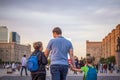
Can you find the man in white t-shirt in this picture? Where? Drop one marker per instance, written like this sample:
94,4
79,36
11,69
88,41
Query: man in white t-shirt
13,66
24,65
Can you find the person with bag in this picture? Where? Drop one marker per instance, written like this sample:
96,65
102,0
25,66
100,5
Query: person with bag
36,62
90,72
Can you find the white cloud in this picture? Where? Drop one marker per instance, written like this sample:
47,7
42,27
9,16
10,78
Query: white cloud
107,11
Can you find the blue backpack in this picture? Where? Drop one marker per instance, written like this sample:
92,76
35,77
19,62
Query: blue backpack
32,63
91,74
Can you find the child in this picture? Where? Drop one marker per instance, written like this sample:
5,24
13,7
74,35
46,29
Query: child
90,72
39,74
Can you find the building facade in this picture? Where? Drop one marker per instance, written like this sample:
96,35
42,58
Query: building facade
3,34
94,49
14,37
107,47
13,52
109,43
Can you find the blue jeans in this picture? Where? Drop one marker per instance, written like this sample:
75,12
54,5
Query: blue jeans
24,67
59,72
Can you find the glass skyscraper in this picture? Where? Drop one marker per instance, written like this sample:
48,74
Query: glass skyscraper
14,37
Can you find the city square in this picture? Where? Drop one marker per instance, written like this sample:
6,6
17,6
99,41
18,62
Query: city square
70,76
59,40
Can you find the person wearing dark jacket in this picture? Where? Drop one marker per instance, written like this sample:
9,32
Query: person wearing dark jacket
40,74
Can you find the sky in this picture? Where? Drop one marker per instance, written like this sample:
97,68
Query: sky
80,20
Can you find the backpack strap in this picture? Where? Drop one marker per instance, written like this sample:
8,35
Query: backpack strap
92,67
38,54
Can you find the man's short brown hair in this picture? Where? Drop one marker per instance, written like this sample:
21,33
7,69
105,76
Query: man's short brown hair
57,30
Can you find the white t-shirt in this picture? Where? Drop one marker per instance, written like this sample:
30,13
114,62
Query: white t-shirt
24,61
13,66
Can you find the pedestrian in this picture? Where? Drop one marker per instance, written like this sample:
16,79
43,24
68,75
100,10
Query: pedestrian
101,68
19,66
110,67
13,67
39,74
105,68
24,65
90,72
59,47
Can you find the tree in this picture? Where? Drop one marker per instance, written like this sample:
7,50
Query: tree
110,59
102,60
49,61
87,54
0,61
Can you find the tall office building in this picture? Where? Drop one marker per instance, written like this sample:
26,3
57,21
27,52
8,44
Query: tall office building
3,34
14,37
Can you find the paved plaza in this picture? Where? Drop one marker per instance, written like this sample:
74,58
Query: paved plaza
70,76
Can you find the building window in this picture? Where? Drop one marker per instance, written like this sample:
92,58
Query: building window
6,50
1,50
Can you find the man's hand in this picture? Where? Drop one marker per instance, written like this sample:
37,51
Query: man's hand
72,67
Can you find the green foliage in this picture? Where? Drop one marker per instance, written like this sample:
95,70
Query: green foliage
108,60
49,61
111,59
0,61
102,60
88,54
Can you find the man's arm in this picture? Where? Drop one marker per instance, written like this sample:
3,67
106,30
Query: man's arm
47,52
72,58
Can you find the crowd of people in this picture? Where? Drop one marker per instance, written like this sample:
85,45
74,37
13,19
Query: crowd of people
101,67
